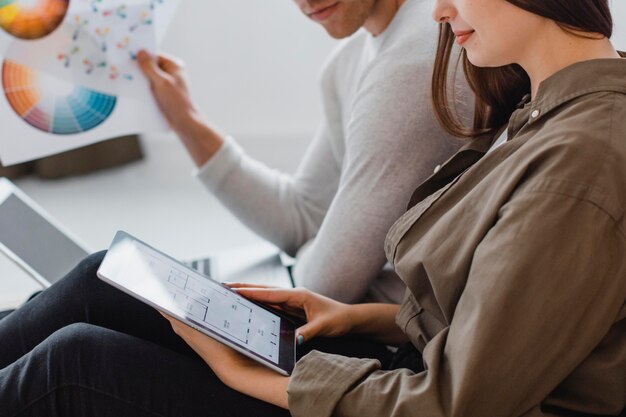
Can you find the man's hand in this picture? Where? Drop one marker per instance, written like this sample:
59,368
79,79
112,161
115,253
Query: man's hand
168,81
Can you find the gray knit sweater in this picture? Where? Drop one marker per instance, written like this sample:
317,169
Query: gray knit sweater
377,142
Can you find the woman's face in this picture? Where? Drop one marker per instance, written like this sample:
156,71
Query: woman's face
493,32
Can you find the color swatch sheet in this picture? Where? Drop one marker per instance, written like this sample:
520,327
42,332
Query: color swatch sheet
88,42
69,74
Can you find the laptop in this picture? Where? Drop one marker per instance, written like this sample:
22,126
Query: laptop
35,241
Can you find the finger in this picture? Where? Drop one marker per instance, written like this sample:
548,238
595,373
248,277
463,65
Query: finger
149,67
273,296
165,315
247,285
169,64
307,332
175,323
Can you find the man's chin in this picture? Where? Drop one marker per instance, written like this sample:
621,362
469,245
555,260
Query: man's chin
337,32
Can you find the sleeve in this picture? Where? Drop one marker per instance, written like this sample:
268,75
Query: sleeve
285,210
338,207
539,298
392,144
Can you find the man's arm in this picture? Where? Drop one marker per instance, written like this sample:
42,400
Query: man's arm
342,203
168,81
392,143
285,210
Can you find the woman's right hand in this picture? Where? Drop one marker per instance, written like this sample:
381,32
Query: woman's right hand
324,316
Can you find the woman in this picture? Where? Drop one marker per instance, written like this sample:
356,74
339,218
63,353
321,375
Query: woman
512,254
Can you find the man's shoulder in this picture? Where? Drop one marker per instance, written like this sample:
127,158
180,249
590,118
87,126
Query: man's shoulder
414,49
347,50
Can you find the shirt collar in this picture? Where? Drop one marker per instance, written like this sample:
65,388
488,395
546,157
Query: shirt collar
567,84
575,81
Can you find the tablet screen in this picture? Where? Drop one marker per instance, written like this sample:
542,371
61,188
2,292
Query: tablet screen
201,302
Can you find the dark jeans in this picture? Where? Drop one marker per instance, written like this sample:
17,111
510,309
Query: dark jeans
83,348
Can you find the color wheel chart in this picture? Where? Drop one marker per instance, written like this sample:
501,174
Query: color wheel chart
32,19
53,105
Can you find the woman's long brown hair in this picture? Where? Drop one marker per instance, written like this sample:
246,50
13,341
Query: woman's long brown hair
499,90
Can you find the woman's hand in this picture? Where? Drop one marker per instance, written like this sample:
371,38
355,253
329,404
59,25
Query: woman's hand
232,368
324,316
327,317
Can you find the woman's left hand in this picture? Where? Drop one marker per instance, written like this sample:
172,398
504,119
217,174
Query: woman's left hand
232,368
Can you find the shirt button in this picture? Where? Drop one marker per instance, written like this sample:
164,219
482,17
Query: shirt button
437,169
534,114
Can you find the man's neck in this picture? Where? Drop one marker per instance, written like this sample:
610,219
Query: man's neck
382,14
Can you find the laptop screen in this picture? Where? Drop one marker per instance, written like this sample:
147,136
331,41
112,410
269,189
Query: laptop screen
36,241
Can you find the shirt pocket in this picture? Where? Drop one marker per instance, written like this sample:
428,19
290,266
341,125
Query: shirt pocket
403,224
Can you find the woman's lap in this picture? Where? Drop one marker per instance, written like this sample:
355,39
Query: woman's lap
84,347
80,297
84,369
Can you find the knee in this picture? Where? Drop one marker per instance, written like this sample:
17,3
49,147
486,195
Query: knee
91,263
74,341
83,275
67,357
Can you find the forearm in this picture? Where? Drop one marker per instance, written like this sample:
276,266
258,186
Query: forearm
283,209
200,139
377,322
258,382
233,369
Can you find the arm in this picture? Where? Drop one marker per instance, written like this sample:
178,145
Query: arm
285,210
325,317
342,204
233,369
528,317
392,144
169,84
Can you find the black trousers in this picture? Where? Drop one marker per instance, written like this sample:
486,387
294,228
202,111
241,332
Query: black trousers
83,348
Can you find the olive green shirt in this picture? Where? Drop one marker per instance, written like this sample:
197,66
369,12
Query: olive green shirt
515,264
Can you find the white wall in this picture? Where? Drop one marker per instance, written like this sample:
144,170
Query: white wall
254,65
619,17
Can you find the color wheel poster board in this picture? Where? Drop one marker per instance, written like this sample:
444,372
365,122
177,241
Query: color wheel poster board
69,75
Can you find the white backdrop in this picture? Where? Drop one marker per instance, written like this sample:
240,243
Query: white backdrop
254,65
619,17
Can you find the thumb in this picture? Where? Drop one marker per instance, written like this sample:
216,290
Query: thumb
307,332
149,67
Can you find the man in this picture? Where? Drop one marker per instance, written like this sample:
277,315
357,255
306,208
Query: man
377,142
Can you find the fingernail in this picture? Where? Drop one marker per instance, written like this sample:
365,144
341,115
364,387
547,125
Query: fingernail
300,340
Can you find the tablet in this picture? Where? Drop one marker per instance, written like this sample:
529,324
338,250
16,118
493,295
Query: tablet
204,304
33,239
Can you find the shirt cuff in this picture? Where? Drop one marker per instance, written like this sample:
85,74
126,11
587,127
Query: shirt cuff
214,172
320,380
